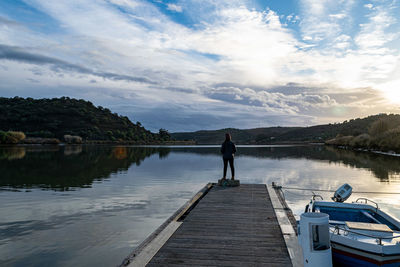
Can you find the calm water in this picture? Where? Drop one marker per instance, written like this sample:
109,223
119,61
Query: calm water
92,205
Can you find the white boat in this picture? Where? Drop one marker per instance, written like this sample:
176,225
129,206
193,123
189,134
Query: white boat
360,233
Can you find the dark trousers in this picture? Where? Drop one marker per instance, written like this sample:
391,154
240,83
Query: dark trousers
226,166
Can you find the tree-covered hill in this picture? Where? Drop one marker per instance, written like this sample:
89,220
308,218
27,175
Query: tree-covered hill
383,134
57,117
249,136
319,133
274,135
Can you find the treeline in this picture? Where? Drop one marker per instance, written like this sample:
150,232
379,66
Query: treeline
11,137
58,117
240,136
282,135
382,134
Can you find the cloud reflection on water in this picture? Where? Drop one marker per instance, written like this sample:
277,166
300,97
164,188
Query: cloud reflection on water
94,204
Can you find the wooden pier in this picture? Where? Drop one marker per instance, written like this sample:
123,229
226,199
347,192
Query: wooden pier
224,226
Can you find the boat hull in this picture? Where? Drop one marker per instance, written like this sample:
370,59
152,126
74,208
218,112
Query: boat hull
346,256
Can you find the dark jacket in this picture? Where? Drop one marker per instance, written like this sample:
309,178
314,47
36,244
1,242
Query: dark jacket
228,149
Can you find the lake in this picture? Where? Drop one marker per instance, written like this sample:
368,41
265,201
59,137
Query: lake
92,205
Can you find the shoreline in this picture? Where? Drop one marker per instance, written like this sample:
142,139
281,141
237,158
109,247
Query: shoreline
103,142
167,143
380,152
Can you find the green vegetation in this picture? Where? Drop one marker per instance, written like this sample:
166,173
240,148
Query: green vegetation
382,134
249,136
355,129
72,139
164,135
11,137
39,167
59,117
78,121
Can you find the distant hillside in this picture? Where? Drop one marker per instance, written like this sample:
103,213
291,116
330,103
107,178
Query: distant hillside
249,136
57,117
275,135
383,135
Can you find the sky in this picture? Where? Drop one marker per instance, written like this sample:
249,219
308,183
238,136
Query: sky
202,64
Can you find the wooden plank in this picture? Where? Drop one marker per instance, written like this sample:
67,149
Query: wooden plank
145,252
369,226
290,237
232,226
210,262
151,249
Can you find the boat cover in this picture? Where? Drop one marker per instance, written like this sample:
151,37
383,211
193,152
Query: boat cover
369,226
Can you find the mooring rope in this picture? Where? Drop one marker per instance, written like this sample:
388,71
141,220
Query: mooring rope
327,190
296,194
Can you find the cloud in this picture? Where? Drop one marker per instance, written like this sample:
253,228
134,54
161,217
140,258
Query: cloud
8,22
322,19
292,18
254,46
57,65
373,33
310,66
174,7
369,6
216,116
276,102
337,16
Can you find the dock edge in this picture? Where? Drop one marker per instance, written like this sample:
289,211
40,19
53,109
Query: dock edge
142,254
288,232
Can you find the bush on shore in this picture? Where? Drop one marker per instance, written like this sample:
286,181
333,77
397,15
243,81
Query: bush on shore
360,141
11,137
41,141
340,140
72,139
378,127
389,140
383,135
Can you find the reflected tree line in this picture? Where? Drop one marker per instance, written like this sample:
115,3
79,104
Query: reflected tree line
65,168
384,167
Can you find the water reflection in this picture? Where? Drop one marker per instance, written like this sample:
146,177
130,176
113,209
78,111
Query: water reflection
72,150
64,168
384,167
68,167
11,153
135,189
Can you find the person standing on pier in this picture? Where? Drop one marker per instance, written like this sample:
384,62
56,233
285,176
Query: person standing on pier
228,150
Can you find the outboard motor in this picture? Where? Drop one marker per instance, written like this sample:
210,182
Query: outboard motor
343,193
314,239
